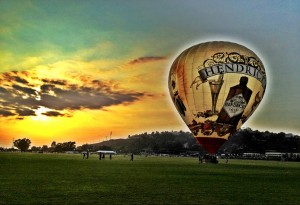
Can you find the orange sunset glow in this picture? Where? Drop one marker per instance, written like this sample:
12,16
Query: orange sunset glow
67,101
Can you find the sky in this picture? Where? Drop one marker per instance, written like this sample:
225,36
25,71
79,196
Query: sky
86,71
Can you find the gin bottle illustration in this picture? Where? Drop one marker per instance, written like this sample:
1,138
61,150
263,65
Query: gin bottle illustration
235,103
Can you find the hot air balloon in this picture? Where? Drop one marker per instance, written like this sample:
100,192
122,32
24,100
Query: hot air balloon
216,86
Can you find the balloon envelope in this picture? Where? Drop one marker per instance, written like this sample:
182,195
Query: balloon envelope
216,86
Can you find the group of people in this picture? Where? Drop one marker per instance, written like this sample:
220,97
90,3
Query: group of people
101,155
86,154
209,159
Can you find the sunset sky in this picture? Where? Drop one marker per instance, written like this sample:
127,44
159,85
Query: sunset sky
79,70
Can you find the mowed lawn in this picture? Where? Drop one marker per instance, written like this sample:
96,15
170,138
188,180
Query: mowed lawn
68,179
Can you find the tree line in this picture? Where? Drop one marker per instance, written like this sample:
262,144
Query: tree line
174,142
245,140
177,142
248,140
24,144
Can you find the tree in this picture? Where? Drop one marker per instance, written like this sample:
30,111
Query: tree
22,144
68,146
85,147
61,147
45,148
53,145
58,147
35,149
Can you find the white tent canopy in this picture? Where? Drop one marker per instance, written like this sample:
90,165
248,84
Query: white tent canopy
106,152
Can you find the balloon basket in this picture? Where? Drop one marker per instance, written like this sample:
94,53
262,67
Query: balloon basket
208,158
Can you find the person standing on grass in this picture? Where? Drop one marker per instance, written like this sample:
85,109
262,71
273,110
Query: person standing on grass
87,154
131,159
200,159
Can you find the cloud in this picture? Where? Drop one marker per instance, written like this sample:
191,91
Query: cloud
147,59
3,91
22,94
23,111
5,113
74,98
20,80
53,114
14,76
25,90
56,82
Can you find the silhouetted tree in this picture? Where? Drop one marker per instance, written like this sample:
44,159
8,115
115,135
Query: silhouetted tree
247,140
68,146
35,149
52,148
45,148
22,144
84,147
58,147
62,147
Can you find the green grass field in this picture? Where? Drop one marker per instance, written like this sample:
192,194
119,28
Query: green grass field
68,179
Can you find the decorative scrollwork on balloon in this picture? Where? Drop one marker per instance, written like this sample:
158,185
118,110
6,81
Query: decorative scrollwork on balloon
209,63
220,57
232,57
253,62
236,58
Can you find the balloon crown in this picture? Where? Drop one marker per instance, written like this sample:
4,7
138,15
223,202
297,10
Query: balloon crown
232,57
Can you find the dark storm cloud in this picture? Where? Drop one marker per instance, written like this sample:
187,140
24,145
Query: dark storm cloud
3,91
55,82
25,112
20,97
147,59
25,90
46,88
53,114
20,80
5,113
84,97
15,76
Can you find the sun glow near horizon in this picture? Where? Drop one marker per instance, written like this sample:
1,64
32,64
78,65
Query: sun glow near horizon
49,103
90,126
